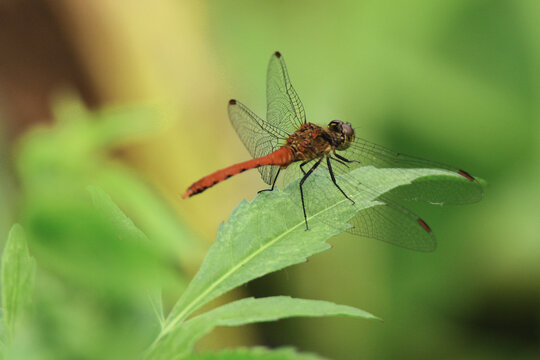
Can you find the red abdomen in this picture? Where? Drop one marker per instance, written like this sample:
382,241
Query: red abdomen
281,157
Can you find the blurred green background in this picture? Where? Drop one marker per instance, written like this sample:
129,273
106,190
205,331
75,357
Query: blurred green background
131,97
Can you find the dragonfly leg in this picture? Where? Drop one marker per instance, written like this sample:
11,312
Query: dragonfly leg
339,161
342,158
334,179
302,192
302,166
273,183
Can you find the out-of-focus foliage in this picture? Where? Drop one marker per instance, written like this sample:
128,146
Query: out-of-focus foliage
55,164
18,272
256,354
97,271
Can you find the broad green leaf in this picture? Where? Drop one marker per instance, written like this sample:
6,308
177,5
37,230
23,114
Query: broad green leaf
18,271
268,234
249,310
257,353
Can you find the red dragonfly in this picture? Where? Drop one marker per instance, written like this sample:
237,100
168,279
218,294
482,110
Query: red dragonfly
286,138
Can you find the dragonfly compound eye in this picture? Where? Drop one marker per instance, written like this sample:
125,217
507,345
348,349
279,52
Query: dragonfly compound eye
348,132
345,132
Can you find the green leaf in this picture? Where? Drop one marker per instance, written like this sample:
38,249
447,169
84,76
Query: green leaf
257,353
18,271
268,234
249,310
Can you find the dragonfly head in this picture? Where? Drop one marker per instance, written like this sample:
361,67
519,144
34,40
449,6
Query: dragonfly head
344,132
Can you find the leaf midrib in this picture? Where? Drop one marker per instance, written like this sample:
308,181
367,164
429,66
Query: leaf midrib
222,278
186,310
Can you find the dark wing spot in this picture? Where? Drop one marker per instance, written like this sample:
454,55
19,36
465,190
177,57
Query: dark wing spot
228,176
242,170
424,225
278,54
466,175
232,102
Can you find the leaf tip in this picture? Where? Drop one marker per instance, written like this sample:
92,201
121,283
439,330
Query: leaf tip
16,229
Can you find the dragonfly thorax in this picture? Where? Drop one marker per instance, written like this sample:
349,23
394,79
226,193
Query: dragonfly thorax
309,142
312,141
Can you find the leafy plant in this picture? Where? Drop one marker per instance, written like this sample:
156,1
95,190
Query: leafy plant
89,249
18,272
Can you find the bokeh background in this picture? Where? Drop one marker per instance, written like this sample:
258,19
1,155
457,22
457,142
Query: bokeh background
131,97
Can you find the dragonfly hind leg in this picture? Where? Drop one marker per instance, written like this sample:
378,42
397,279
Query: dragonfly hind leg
302,166
273,183
334,179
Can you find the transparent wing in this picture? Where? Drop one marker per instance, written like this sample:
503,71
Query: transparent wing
394,224
450,191
259,137
386,221
284,108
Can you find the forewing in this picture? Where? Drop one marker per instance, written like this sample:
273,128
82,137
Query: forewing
284,108
259,137
464,189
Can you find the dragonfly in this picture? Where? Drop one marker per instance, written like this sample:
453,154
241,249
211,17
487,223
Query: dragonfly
286,138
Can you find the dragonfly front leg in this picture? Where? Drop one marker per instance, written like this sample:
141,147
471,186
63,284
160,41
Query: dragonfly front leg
339,161
342,158
302,182
334,180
